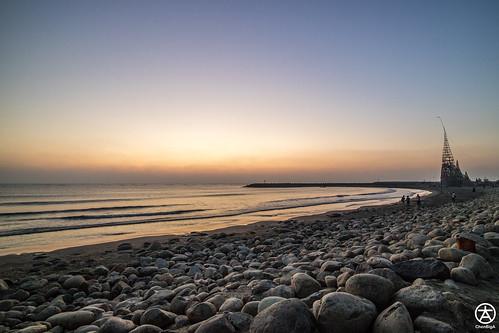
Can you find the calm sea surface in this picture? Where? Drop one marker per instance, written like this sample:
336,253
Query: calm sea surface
47,217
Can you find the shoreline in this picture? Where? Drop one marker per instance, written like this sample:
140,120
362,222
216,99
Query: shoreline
17,263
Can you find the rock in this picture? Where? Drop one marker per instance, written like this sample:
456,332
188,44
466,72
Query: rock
217,324
478,265
117,325
395,318
464,275
38,328
76,281
426,269
87,329
304,285
419,298
240,321
101,270
492,237
288,316
331,266
426,324
232,304
72,320
451,254
3,285
389,274
200,312
146,329
346,313
431,251
157,317
375,288
124,247
268,301
251,308
331,281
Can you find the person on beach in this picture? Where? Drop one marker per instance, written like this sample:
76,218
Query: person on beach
453,196
403,199
408,201
418,200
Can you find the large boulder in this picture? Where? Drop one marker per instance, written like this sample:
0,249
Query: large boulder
375,288
429,268
346,313
72,320
304,285
419,298
394,318
288,316
478,265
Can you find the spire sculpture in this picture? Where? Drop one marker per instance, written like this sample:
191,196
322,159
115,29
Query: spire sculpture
450,174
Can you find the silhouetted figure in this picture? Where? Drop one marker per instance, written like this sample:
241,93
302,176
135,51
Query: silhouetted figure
408,201
474,189
402,200
453,196
418,200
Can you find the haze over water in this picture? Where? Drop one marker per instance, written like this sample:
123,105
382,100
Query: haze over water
47,217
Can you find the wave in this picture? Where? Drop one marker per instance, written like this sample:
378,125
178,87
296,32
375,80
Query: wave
387,191
95,209
114,216
37,230
64,202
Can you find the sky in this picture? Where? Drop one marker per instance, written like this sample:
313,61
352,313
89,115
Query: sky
244,91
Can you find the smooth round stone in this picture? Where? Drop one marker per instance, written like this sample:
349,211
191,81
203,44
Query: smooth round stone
288,316
395,318
419,298
38,328
428,324
331,281
76,281
451,254
464,275
375,288
157,317
217,324
200,312
117,325
87,329
268,301
346,313
146,329
251,308
304,285
72,320
429,268
478,265
232,304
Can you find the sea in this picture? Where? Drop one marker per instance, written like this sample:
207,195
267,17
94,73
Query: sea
41,218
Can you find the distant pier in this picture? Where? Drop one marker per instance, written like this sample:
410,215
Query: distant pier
399,184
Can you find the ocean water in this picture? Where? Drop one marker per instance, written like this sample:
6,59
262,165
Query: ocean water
36,218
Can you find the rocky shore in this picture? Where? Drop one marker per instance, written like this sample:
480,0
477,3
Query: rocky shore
386,270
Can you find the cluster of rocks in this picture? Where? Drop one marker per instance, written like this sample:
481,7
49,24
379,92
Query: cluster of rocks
395,271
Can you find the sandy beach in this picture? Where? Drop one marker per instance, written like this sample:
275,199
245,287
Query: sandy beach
273,274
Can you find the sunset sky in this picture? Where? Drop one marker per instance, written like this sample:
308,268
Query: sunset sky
242,91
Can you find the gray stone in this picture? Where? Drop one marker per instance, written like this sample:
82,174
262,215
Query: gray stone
451,254
268,301
146,329
375,288
117,325
76,281
232,304
346,313
217,324
288,316
304,285
157,317
429,268
251,308
464,275
200,312
419,298
426,324
393,319
478,265
72,320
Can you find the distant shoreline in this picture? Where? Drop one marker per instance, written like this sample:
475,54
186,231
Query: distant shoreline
399,184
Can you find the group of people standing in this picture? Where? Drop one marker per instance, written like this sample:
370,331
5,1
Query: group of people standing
407,200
